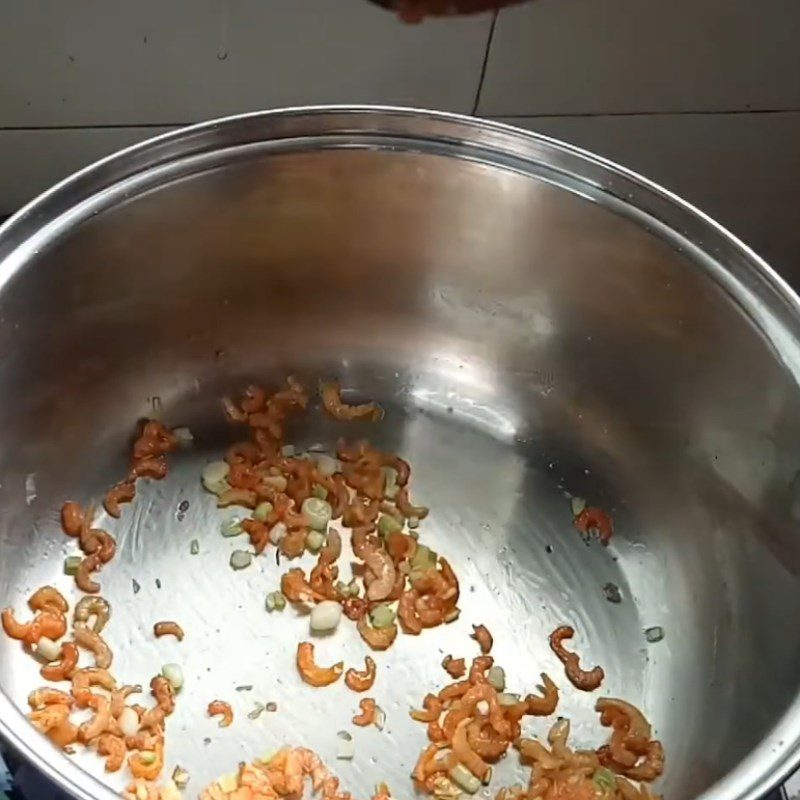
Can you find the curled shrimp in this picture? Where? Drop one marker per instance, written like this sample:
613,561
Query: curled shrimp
122,492
293,544
369,713
381,574
49,717
95,541
546,704
427,764
313,674
147,769
97,607
338,409
86,637
586,681
63,735
83,577
72,518
480,633
486,742
237,497
376,638
101,720
595,519
48,598
406,509
651,767
454,667
333,548
360,681
223,709
84,679
407,613
164,694
433,708
465,755
354,608
64,669
168,628
295,588
45,696
619,713
119,697
113,747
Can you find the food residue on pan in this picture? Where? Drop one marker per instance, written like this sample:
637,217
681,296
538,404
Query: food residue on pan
399,585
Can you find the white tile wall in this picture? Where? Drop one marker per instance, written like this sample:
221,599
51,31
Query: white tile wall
742,169
33,160
114,62
610,56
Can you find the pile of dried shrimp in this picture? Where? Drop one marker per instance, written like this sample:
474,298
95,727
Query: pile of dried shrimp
398,584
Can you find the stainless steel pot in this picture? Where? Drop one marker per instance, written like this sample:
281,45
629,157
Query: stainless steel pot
538,322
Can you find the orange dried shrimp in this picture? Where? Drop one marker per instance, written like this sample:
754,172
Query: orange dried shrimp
585,680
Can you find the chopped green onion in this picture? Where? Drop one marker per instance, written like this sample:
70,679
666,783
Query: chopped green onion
231,527
258,710
654,634
388,524
423,559
354,588
604,779
174,675
288,451
194,547
314,541
464,778
507,699
413,523
414,534
147,757
497,678
317,512
319,492
381,616
347,748
71,565
263,510
180,777
275,601
240,559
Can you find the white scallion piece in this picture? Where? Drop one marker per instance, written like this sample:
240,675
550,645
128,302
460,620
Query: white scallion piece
183,435
277,532
128,721
497,678
214,477
277,482
507,699
380,718
577,504
326,465
388,524
288,451
325,616
317,512
390,487
464,778
413,523
482,707
347,748
174,675
228,783
231,527
241,559
48,650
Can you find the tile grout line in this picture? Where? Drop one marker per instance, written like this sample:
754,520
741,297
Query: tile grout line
485,63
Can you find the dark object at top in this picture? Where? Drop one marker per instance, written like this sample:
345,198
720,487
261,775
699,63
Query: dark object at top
417,10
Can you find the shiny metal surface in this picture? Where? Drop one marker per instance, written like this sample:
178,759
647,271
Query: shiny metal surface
537,322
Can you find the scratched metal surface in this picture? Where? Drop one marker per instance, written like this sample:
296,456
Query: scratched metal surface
531,334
